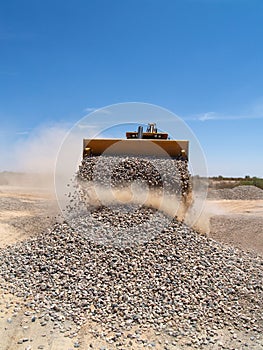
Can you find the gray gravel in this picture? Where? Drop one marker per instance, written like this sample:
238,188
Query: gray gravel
125,224
42,218
167,276
122,226
178,279
169,174
237,193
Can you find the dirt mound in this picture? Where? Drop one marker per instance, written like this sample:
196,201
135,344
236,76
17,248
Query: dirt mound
238,193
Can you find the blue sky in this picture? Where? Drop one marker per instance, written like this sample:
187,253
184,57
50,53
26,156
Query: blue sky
201,59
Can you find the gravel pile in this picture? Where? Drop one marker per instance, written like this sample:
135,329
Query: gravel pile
118,172
177,280
166,275
237,193
120,225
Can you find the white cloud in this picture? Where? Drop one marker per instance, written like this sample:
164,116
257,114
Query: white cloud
218,116
90,109
99,110
253,111
207,116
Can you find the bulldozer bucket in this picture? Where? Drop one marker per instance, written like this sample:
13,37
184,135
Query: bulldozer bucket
137,147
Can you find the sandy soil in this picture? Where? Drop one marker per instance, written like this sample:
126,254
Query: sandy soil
26,211
237,222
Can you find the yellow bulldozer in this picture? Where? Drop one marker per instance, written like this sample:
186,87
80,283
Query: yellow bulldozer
137,144
143,145
149,156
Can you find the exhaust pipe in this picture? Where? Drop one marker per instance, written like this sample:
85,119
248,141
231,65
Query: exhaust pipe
140,132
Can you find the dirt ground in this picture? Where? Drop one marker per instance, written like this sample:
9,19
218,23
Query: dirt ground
25,211
236,222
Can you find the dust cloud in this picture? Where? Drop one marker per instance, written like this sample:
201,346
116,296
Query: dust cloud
190,210
33,158
38,153
134,194
202,222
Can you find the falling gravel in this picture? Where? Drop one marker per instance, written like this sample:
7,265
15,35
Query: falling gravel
117,172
